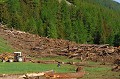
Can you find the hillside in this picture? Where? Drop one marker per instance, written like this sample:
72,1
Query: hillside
84,21
36,47
4,45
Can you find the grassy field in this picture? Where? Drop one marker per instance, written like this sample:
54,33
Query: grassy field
101,72
20,68
4,46
93,71
60,58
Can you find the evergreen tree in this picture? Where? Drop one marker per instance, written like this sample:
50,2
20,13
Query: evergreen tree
83,21
31,26
117,40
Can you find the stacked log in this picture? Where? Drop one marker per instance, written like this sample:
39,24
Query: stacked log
45,61
36,46
116,68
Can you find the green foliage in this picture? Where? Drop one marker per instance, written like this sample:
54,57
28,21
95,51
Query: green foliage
31,25
117,40
83,21
2,1
4,46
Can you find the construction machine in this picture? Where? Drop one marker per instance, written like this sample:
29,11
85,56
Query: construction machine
11,57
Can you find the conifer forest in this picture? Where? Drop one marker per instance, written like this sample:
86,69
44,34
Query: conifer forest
82,21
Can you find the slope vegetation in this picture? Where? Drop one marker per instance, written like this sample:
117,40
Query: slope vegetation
85,21
5,46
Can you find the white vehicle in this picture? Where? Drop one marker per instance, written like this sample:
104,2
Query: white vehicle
18,56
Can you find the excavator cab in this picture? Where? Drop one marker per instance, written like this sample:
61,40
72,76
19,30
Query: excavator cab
17,56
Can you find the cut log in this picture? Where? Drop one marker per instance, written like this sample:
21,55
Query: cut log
116,68
65,75
36,74
79,74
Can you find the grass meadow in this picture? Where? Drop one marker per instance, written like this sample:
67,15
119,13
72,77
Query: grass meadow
22,67
95,71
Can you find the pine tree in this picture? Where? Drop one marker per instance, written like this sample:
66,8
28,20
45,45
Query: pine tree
31,26
117,40
84,21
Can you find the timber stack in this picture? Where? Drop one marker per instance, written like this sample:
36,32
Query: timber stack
36,46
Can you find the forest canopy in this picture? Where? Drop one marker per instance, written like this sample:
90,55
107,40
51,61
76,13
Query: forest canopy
82,21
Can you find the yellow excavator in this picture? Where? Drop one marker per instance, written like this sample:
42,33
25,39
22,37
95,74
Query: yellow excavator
7,57
11,57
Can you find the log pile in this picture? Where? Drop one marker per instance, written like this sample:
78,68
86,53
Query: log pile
36,46
45,61
116,68
117,65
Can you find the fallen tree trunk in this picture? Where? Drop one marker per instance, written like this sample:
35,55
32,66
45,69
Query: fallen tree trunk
78,74
65,75
29,75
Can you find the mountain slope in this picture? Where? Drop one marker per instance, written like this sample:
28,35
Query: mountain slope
110,4
85,21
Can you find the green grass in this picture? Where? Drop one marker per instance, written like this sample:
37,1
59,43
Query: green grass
96,71
4,46
19,68
103,72
60,58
